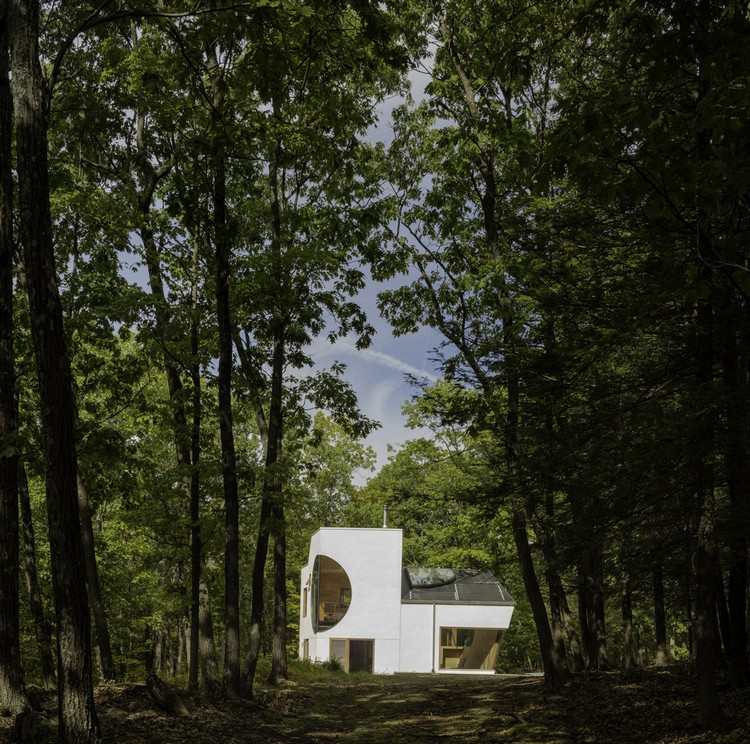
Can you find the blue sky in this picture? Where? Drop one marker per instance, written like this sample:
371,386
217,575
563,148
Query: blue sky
379,374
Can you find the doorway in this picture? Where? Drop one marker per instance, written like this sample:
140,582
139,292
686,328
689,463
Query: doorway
360,656
354,654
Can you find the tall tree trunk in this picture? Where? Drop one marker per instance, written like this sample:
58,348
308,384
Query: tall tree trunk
78,722
554,674
278,526
690,607
279,660
94,584
42,629
555,671
196,546
586,611
158,651
722,612
738,483
660,617
705,551
232,675
629,640
257,604
271,485
704,623
182,660
600,628
207,649
565,643
12,694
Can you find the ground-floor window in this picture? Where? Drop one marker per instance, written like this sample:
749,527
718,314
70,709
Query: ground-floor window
354,654
469,648
306,650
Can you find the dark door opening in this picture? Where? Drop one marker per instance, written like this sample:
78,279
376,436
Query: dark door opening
360,655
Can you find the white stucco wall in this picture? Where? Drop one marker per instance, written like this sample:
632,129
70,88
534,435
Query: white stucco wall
472,616
416,638
372,561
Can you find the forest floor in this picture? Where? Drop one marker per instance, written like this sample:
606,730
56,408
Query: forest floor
317,706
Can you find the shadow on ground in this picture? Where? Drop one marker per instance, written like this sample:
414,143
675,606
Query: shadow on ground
644,708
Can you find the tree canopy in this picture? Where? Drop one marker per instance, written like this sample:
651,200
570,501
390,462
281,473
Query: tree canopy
191,198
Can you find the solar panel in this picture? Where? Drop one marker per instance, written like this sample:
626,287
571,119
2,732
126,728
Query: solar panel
435,593
474,592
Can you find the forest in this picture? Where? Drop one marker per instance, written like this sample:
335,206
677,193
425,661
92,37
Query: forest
194,194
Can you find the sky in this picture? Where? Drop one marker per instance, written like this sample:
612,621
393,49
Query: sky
379,375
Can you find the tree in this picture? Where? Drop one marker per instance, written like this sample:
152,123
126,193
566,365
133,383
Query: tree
78,721
459,233
12,694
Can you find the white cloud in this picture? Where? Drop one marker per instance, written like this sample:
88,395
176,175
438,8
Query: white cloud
347,347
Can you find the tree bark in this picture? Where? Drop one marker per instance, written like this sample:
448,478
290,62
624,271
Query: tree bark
207,649
182,661
12,694
94,584
232,675
42,629
554,674
196,545
598,600
278,526
722,612
565,642
629,640
660,618
279,660
705,550
264,529
556,604
257,604
271,486
78,722
586,612
738,485
704,622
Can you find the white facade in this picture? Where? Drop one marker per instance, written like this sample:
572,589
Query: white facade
394,634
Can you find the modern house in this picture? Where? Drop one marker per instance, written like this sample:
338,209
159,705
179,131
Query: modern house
361,606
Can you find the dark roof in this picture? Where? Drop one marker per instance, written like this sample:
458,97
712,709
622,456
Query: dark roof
449,586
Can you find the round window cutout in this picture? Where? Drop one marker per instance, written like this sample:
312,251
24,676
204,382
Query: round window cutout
331,593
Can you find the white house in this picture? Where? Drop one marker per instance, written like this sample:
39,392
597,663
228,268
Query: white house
359,605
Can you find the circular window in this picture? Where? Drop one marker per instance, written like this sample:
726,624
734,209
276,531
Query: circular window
331,593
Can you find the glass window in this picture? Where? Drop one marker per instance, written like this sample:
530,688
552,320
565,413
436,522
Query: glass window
304,602
331,593
469,648
305,650
338,651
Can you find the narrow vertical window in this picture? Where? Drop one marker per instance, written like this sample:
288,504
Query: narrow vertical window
304,602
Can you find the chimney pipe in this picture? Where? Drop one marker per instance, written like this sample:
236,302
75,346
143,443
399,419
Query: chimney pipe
385,516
